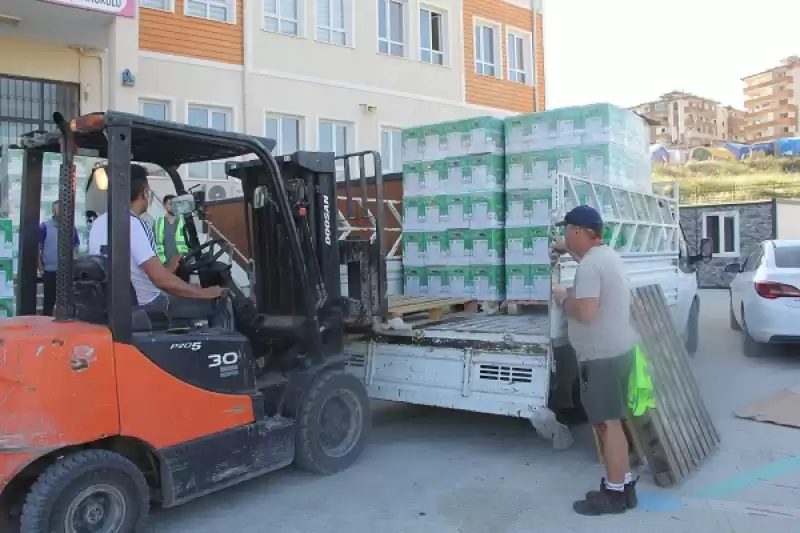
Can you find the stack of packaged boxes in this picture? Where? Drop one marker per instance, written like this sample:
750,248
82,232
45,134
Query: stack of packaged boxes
599,142
11,183
454,210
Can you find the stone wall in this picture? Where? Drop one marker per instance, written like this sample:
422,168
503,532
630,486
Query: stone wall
755,225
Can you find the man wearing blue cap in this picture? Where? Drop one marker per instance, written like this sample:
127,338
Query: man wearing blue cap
600,331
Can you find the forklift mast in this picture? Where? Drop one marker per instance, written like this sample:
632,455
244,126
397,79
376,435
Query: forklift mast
311,184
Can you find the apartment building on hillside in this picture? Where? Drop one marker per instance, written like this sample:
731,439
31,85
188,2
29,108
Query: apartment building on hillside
687,121
333,75
771,101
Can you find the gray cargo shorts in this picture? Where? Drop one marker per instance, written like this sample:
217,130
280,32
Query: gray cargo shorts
604,388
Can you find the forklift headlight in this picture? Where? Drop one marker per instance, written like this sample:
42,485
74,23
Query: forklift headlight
101,178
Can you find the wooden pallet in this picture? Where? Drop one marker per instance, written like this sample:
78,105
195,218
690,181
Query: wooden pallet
678,435
427,310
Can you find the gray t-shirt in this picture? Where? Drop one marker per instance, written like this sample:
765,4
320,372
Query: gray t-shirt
601,274
170,246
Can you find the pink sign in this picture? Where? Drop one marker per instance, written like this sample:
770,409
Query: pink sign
119,8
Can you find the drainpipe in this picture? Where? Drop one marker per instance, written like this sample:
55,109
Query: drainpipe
536,9
247,60
101,63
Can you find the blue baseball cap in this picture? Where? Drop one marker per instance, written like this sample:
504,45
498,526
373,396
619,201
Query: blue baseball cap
583,216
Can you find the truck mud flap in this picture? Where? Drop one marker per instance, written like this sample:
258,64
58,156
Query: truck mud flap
677,436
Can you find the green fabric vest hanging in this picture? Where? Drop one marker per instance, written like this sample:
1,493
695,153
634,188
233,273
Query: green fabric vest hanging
180,239
640,385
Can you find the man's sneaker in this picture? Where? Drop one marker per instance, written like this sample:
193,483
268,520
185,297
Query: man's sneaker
602,502
631,500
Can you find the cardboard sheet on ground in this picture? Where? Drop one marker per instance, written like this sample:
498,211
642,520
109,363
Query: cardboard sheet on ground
782,409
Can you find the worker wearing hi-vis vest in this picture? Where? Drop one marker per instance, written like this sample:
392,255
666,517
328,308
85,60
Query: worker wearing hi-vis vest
169,235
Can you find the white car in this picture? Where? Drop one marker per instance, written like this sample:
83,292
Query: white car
765,298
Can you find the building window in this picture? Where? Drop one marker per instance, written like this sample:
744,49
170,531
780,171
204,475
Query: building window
431,36
334,137
285,130
282,16
391,150
391,27
487,50
164,5
154,109
219,10
214,118
723,229
28,105
331,21
520,58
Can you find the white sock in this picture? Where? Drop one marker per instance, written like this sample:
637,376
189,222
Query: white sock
616,487
628,478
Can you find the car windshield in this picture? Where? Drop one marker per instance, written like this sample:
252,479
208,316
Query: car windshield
787,256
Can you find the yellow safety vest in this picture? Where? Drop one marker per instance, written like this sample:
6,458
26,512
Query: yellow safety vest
180,238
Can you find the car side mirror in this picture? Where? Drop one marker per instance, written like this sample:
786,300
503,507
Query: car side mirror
706,249
733,268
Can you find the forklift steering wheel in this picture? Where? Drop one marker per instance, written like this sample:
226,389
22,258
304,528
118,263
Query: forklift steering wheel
201,257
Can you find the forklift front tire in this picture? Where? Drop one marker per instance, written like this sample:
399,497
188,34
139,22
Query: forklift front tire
333,423
92,490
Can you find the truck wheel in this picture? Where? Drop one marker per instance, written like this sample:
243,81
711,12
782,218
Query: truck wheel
334,423
93,491
734,324
693,328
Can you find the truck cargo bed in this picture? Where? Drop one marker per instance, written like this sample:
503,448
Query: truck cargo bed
526,329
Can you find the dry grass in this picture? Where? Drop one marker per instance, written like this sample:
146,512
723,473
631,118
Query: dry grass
708,182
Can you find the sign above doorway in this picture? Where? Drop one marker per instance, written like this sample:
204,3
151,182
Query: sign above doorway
119,8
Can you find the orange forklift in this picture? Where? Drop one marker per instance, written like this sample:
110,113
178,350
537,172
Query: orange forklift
107,408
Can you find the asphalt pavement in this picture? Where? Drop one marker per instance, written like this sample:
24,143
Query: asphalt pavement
439,471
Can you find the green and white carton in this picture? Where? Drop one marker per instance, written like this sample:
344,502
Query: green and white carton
527,245
460,247
540,278
525,208
415,281
527,282
476,173
454,211
460,281
488,282
437,247
414,248
576,126
488,247
487,210
433,142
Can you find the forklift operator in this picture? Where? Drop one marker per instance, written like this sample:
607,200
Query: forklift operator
156,286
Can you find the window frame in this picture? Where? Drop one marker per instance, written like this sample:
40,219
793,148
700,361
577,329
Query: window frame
397,166
497,41
230,125
66,99
230,5
301,10
720,239
406,19
280,117
527,56
444,36
347,15
168,103
169,6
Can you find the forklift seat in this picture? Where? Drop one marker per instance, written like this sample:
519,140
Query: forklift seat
89,281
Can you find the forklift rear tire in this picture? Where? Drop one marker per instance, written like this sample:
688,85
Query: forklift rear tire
92,490
334,423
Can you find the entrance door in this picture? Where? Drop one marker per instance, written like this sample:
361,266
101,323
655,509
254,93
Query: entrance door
28,104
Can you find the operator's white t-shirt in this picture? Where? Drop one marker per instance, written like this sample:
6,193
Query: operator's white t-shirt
143,247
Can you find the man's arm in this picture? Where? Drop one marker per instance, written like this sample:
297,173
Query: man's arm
42,237
144,256
172,284
584,303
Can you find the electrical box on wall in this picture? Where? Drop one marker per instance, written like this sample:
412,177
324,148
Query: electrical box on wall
128,78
